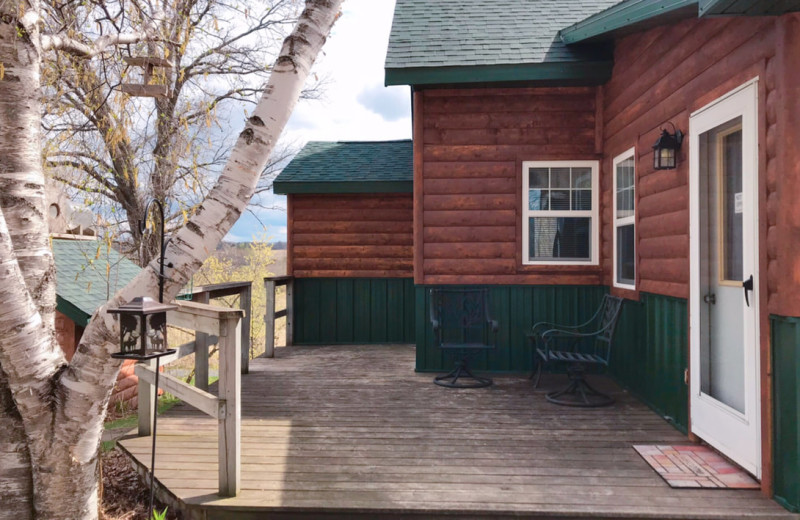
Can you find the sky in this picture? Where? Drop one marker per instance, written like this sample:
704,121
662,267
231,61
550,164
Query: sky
355,105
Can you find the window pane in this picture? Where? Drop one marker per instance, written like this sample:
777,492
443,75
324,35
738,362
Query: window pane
582,200
582,178
539,178
538,199
625,198
559,177
559,200
559,238
625,174
625,202
626,258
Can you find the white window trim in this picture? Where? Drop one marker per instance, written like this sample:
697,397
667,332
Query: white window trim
594,213
618,222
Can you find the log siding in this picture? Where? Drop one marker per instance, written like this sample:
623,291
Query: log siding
470,145
350,235
662,75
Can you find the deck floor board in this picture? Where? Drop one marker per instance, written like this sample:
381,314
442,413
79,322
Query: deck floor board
337,432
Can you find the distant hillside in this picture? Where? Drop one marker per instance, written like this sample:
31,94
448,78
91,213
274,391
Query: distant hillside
233,251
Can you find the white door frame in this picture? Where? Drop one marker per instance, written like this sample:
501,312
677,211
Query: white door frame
712,420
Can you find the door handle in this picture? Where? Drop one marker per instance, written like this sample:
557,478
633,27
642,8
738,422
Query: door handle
747,285
710,298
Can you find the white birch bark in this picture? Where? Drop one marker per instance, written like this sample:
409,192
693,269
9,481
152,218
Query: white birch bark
62,406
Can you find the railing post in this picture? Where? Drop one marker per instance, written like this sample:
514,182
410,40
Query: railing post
269,318
201,343
245,300
230,359
289,312
145,398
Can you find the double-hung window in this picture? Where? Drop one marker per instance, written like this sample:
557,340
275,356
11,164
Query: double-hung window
625,220
560,212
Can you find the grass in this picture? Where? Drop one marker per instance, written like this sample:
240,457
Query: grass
131,420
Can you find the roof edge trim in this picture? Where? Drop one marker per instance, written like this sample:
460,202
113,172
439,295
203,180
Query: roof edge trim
620,16
586,73
72,311
321,187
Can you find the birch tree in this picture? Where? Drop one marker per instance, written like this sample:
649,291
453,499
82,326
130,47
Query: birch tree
115,151
51,411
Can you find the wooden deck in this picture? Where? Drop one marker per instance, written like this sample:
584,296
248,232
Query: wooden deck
338,432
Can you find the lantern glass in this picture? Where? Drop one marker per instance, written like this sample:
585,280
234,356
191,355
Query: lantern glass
156,332
130,326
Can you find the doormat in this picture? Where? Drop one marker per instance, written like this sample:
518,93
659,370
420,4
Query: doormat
695,467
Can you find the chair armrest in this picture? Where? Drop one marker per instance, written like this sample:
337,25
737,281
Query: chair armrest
550,325
555,333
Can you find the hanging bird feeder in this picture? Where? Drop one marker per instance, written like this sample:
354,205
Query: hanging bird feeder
148,65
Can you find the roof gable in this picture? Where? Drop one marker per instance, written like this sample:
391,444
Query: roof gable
88,273
474,41
349,167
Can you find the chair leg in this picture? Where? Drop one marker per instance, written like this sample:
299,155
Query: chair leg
579,392
450,380
536,375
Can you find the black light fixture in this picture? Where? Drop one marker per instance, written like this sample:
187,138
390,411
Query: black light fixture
665,149
142,329
143,333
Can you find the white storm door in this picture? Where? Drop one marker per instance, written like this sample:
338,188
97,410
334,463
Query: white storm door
724,362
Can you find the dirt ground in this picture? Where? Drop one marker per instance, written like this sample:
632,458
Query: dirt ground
125,496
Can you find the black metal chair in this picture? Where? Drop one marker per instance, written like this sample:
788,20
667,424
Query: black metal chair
462,326
579,347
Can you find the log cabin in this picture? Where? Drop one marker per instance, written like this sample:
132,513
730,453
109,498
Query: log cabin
565,150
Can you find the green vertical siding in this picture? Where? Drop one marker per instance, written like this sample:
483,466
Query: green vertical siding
651,353
785,336
330,311
516,308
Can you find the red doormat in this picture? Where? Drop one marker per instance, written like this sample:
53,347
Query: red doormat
695,467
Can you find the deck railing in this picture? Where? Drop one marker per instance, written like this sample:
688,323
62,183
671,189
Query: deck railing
218,325
271,284
206,293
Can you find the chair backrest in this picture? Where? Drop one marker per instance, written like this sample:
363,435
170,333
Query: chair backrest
607,322
461,317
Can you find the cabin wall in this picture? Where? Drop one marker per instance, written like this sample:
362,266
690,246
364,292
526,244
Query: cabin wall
663,75
366,235
351,256
666,74
469,145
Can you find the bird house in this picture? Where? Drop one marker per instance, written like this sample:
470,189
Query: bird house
149,65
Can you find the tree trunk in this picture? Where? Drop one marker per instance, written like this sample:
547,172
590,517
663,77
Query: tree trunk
62,406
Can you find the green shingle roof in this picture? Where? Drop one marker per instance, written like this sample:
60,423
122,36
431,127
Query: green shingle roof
82,284
479,41
349,167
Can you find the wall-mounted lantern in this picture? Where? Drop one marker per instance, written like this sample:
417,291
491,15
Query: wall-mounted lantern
665,149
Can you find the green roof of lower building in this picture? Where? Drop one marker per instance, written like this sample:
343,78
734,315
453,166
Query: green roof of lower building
88,273
349,167
476,41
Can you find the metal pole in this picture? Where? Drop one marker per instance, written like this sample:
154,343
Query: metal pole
153,454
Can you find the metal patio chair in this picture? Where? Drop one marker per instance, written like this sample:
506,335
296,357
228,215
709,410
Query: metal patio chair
462,326
579,347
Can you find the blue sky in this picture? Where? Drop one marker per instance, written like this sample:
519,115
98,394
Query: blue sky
355,107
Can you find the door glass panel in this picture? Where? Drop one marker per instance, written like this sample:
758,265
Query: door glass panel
731,205
721,253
